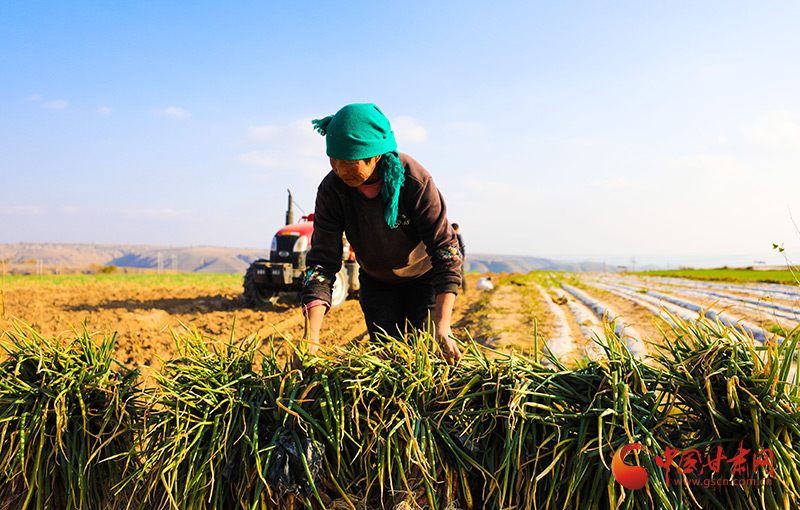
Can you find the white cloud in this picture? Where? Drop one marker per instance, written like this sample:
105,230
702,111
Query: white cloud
695,166
154,214
293,149
496,198
406,130
572,143
263,178
302,138
53,104
714,71
174,112
104,110
777,129
57,104
615,184
23,210
502,188
467,128
257,158
266,132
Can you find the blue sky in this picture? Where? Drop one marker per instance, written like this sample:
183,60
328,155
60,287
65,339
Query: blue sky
666,132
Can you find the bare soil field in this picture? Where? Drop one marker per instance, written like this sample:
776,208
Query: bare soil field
512,317
144,318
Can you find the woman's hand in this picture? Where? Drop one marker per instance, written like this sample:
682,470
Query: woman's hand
448,344
297,362
441,322
313,324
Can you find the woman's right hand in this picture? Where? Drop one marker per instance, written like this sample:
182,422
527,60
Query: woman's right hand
311,347
313,324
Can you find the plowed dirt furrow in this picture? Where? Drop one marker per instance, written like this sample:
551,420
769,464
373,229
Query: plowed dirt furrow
631,313
144,319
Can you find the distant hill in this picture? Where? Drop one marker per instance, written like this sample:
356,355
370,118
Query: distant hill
483,263
25,257
190,259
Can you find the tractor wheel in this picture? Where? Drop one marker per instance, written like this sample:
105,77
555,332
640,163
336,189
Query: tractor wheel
256,295
340,286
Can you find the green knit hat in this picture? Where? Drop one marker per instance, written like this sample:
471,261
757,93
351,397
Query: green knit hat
361,131
357,131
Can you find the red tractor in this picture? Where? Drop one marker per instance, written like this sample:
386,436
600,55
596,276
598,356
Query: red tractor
286,267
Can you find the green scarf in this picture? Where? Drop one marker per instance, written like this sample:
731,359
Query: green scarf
361,131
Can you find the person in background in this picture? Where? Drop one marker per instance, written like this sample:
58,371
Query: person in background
484,283
462,249
395,219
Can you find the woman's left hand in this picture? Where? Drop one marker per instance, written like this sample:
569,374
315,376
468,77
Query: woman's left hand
441,321
448,344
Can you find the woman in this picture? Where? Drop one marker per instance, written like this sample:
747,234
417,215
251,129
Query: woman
396,221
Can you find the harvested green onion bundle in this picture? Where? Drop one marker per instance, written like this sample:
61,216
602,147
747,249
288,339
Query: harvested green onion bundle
390,405
734,396
69,416
389,424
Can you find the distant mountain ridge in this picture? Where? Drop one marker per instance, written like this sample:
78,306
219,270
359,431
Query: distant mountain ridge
190,259
483,263
209,259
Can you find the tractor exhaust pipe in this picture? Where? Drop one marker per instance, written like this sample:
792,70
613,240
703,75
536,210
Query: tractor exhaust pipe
289,212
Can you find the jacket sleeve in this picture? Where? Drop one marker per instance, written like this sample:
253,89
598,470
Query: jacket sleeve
429,218
324,258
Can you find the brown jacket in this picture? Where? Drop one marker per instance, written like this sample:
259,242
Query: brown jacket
423,239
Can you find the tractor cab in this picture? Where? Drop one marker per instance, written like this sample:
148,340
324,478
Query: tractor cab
291,243
286,267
